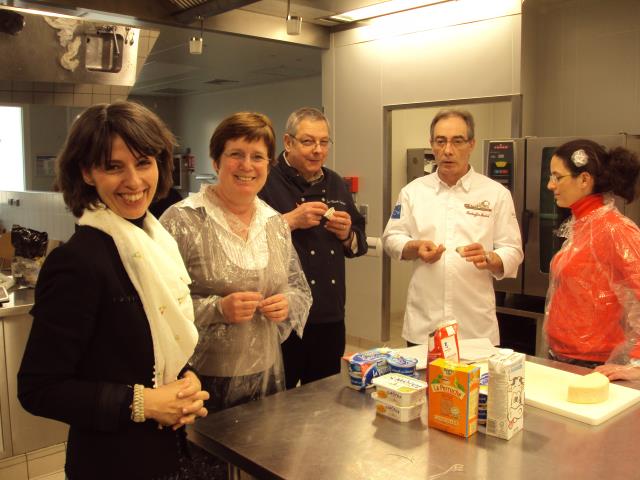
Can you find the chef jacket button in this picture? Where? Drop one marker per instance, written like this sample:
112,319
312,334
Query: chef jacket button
324,190
324,199
313,282
333,281
313,252
302,198
332,252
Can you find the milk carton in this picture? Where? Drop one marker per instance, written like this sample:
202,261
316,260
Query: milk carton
505,403
453,397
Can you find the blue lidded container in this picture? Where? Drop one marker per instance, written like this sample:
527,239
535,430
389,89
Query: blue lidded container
403,365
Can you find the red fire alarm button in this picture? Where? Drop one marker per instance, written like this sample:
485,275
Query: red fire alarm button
352,184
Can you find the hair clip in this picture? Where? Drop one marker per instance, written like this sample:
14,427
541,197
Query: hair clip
579,158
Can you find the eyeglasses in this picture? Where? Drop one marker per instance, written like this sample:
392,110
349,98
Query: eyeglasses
238,156
309,143
556,178
456,142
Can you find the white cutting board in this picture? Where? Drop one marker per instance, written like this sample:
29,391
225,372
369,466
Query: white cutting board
546,388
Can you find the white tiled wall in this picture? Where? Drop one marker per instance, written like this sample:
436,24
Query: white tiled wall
42,211
77,95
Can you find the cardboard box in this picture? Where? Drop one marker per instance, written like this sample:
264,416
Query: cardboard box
453,397
6,251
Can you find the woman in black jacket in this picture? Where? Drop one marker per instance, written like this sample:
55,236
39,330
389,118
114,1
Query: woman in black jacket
113,319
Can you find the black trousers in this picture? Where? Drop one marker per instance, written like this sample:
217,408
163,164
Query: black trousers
573,361
317,355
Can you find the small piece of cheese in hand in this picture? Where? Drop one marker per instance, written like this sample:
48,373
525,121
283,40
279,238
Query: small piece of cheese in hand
591,388
329,213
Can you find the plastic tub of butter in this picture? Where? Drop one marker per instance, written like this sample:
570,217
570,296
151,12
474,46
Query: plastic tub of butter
402,414
400,390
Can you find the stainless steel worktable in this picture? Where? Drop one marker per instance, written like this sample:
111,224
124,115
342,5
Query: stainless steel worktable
324,430
20,302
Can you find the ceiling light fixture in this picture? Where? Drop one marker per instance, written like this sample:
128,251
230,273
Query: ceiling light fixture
294,22
195,43
380,9
34,11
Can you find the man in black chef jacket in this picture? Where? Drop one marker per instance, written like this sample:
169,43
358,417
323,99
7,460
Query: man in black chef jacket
305,192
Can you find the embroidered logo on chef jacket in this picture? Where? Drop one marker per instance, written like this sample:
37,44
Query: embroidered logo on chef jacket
479,209
484,205
396,212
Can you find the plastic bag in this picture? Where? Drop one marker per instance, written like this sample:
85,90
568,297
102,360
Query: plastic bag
30,248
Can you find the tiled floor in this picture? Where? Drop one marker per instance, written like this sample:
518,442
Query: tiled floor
51,476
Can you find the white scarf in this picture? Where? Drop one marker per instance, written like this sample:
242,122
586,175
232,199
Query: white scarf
154,265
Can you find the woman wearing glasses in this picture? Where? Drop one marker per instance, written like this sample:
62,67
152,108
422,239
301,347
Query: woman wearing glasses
593,302
248,289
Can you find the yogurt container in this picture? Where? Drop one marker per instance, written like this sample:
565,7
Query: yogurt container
403,365
400,390
362,368
401,414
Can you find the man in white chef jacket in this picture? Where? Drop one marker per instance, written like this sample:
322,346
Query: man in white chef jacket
459,229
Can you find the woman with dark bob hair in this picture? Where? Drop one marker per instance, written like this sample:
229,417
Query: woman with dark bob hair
113,325
248,290
592,316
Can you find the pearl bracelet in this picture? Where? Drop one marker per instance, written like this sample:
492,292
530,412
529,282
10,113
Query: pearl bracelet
137,406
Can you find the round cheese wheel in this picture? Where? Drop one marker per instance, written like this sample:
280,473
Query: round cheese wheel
591,388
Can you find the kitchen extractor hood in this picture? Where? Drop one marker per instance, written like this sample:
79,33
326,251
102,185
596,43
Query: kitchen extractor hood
68,50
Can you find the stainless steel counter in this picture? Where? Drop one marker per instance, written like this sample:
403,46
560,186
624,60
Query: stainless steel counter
20,302
324,430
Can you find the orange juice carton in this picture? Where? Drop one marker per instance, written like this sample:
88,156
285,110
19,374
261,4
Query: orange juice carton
399,389
361,368
402,414
505,403
453,397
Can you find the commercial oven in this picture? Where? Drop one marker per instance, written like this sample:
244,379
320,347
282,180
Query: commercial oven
522,165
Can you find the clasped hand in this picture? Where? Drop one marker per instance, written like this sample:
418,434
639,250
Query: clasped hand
240,307
310,214
177,403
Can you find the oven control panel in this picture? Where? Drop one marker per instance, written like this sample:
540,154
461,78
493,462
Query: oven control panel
500,162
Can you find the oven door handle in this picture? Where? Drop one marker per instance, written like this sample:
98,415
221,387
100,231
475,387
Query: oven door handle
527,215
